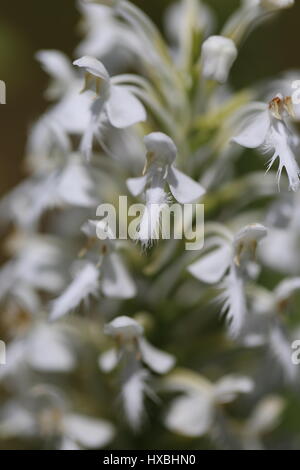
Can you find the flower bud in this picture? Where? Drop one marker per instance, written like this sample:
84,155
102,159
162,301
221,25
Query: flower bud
218,55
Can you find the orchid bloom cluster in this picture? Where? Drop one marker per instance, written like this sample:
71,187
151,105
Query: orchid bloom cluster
115,342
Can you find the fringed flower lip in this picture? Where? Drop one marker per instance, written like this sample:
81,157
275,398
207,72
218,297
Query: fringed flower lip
160,171
160,158
266,126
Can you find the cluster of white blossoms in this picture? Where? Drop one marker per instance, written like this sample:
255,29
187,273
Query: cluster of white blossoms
109,341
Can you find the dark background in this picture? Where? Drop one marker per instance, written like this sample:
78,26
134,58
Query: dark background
29,25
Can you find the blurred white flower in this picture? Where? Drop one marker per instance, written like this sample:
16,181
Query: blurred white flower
129,336
265,126
47,349
194,412
115,280
232,256
118,103
132,349
46,416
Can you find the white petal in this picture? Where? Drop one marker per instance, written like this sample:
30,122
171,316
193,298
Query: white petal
136,185
191,415
116,281
76,186
72,113
58,66
149,225
227,388
159,361
212,267
92,129
89,432
16,421
279,140
234,302
254,128
286,288
108,360
93,66
266,415
123,108
133,391
184,188
48,351
85,283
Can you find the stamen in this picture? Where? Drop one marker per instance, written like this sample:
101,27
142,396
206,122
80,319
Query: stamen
288,106
275,107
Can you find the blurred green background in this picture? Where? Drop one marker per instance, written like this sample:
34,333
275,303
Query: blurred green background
27,26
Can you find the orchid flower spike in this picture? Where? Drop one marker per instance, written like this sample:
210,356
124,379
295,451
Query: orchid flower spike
160,171
265,126
117,102
218,55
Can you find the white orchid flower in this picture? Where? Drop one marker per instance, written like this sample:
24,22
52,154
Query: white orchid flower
133,349
264,326
218,55
115,280
193,413
46,349
72,184
117,102
265,126
160,171
130,334
51,419
230,256
39,264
